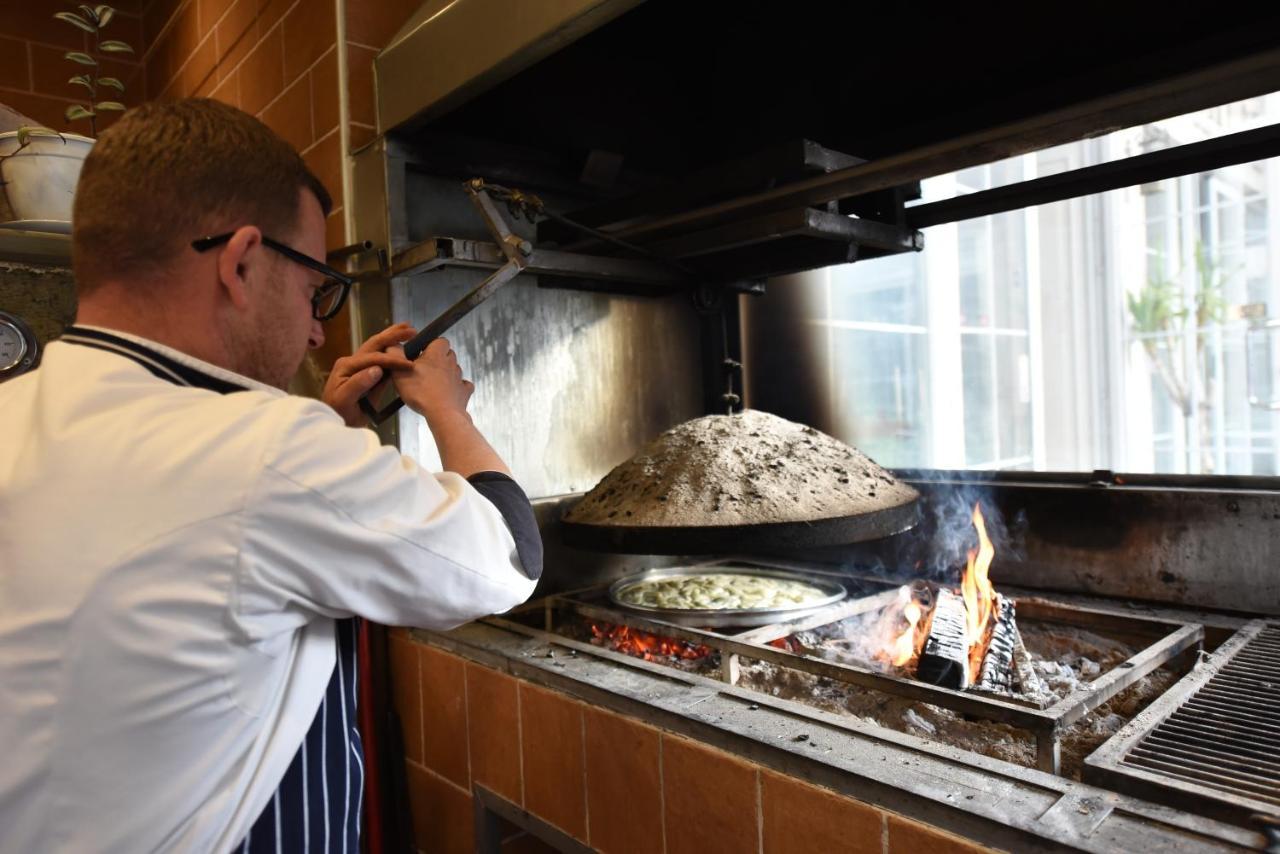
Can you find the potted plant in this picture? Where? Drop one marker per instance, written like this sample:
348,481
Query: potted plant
38,166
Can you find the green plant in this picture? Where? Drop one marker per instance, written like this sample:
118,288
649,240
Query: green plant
25,134
92,19
1162,316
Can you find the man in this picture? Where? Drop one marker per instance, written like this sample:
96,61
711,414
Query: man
182,543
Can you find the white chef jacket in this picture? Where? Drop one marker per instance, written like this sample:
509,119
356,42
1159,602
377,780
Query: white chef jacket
172,560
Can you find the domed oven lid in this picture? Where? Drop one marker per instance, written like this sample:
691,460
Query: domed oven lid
750,482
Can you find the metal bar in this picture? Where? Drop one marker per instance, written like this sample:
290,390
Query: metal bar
1041,610
1048,752
1208,750
832,614
1243,147
498,806
786,161
802,222
1262,725
433,330
1243,742
1255,74
1228,725
981,707
1079,703
1245,700
513,246
436,252
351,249
1263,790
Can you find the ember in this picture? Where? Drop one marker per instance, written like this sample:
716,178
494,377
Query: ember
645,645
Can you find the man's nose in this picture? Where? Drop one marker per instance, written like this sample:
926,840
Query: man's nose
316,339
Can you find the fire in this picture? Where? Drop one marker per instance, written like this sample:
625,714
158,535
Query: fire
979,595
645,645
903,647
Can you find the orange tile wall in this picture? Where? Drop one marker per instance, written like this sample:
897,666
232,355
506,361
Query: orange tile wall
274,59
610,781
34,74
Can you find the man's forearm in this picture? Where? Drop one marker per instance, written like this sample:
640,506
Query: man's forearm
462,447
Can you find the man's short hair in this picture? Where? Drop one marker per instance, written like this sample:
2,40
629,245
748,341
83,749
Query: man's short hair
170,172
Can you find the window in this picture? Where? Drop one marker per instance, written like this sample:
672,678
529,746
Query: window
1111,331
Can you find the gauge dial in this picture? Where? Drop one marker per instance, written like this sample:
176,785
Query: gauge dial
18,347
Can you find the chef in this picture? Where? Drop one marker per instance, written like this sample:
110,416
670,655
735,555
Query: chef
183,545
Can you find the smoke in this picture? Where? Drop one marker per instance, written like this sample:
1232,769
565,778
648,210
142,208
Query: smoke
953,535
936,548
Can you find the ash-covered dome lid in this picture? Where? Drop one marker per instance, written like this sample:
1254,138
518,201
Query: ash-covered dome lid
748,469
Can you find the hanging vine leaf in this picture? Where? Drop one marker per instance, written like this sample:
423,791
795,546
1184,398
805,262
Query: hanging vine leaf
82,80
111,83
76,21
81,58
105,14
113,46
26,132
78,112
110,105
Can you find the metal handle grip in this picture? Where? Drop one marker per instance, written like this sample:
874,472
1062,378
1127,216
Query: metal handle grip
414,346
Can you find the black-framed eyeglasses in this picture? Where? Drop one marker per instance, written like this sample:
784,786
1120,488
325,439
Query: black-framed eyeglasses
328,298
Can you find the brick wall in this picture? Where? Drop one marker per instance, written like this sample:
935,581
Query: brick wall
613,782
34,73
274,59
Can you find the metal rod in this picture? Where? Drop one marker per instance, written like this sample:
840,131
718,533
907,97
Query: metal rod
414,346
981,707
1257,74
1244,147
831,614
1079,703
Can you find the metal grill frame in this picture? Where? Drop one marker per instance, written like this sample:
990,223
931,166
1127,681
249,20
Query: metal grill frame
1109,765
1046,724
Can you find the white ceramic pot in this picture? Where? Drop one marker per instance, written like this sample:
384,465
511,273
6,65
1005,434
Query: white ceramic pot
40,180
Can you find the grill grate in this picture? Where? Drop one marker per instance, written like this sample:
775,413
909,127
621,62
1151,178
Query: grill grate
1214,737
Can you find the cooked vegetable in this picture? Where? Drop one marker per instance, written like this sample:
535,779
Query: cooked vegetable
721,591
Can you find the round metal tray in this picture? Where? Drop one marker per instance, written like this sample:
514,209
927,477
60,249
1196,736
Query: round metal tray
741,539
714,617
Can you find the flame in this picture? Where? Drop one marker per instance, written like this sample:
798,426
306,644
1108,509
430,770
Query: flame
900,647
979,595
905,646
645,645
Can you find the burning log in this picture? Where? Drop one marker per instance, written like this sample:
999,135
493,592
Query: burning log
997,662
944,660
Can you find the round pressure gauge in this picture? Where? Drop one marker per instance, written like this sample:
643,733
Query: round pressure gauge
19,349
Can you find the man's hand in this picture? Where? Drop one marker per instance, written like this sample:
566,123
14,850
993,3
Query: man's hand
434,388
353,376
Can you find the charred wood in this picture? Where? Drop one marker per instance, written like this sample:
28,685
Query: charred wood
944,659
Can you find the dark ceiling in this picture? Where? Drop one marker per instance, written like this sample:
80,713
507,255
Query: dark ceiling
675,85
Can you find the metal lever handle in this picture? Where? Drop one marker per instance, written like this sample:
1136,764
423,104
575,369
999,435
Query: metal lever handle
516,249
414,346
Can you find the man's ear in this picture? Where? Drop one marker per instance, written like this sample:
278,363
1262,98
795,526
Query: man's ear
235,262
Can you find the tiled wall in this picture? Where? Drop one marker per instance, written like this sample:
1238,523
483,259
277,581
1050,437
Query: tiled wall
34,74
613,782
275,59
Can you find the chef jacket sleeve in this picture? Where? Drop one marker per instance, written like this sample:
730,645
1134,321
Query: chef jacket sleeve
505,494
340,525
